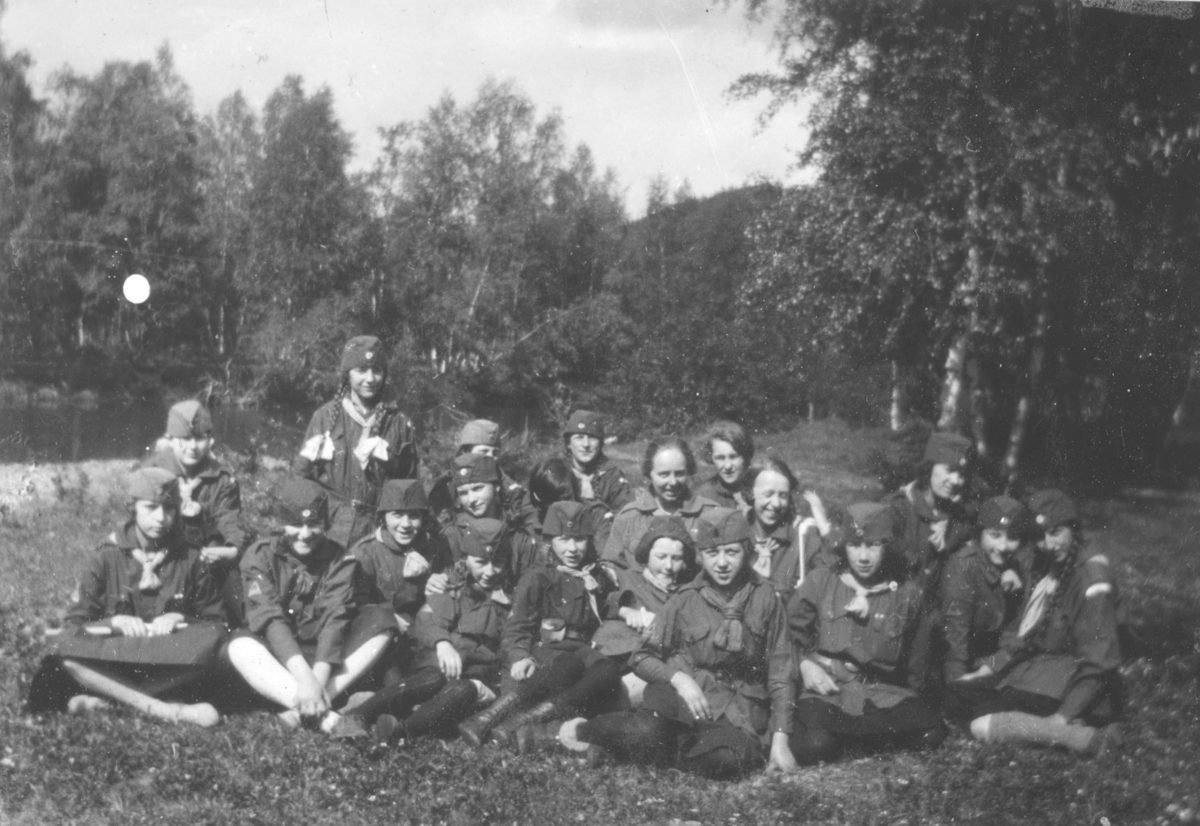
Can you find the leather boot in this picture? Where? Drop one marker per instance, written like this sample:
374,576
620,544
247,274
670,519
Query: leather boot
475,730
504,735
450,705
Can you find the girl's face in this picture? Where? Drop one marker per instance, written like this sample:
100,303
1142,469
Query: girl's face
1058,541
367,382
865,560
485,450
998,545
483,572
665,562
730,464
404,525
192,450
153,519
304,537
669,477
584,448
570,550
772,493
723,563
476,497
946,482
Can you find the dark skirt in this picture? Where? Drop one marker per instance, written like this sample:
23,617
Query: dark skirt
977,698
908,715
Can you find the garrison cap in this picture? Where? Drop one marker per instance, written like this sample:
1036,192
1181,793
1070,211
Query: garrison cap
870,522
472,468
1002,513
721,526
189,420
948,449
152,484
585,421
481,537
479,432
664,527
568,519
361,352
402,495
1052,508
303,500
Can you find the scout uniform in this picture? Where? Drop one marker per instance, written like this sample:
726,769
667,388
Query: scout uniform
516,504
605,482
352,455
210,509
470,468
975,603
122,578
1062,653
306,606
634,519
787,553
861,636
737,650
392,575
712,488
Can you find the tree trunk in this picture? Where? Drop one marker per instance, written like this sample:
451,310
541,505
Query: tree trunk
1024,411
953,384
979,406
899,411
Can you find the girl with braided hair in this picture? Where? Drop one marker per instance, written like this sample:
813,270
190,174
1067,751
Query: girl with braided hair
1053,680
356,442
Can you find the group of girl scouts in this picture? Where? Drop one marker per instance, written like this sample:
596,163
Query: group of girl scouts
715,627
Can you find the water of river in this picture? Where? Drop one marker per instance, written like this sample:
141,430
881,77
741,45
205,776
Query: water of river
125,429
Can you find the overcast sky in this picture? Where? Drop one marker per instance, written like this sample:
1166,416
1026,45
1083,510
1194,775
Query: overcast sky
642,82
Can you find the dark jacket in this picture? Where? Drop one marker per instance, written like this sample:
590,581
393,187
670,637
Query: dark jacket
220,519
380,577
634,519
466,617
545,592
974,607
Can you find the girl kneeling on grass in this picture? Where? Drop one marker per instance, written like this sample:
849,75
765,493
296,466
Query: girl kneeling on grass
719,665
145,619
853,627
304,643
554,672
1054,680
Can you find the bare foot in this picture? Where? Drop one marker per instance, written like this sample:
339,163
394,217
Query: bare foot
86,703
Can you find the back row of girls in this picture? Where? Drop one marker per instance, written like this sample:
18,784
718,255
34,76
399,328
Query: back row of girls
713,629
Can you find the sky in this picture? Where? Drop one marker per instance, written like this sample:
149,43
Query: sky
644,83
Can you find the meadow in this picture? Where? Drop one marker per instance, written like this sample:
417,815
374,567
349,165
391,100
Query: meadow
119,768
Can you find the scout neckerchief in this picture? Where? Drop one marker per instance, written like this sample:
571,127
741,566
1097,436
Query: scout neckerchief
149,562
415,563
667,587
585,483
1042,594
765,547
859,605
728,636
188,506
589,583
369,444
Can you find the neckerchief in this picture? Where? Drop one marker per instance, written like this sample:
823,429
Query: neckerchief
1038,600
188,506
728,636
589,583
859,605
669,588
585,484
369,445
149,562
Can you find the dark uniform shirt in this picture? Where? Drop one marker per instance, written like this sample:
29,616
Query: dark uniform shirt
380,579
751,689
219,522
786,559
518,550
109,585
545,592
294,603
633,520
609,486
713,488
916,518
355,490
975,607
466,617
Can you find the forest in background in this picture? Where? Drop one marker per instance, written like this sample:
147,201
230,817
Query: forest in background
1002,240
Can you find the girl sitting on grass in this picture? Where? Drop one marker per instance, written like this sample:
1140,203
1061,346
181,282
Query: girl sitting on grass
304,642
1053,680
145,619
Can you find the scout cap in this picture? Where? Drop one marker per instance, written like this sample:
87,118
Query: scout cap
870,522
481,538
303,500
1052,508
152,484
568,519
948,449
402,495
479,432
361,352
721,526
664,527
585,421
1001,513
189,420
471,468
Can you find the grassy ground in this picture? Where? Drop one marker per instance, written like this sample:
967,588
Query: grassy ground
120,768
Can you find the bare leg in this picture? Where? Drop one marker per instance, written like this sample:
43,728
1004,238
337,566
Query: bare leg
201,714
358,663
1019,727
263,672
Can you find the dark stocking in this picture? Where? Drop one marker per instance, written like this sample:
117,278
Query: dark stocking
637,737
811,745
451,705
398,700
